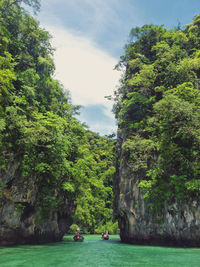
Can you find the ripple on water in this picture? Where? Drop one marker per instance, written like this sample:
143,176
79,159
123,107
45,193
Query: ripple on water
96,252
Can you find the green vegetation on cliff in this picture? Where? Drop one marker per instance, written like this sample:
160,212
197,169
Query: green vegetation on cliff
39,132
96,169
158,111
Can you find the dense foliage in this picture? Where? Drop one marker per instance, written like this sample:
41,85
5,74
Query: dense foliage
38,129
158,111
95,202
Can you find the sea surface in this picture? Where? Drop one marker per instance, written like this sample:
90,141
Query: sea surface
94,252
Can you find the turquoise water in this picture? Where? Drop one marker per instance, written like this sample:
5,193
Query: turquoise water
96,252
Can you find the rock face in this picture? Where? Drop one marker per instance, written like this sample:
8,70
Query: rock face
20,219
179,223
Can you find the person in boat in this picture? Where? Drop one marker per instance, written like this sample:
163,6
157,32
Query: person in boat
78,236
105,236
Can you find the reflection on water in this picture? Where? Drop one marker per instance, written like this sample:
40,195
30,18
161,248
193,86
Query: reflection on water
96,252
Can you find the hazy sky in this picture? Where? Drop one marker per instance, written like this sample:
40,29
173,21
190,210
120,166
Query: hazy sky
89,36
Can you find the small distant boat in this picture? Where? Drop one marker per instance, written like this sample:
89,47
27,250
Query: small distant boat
105,236
78,237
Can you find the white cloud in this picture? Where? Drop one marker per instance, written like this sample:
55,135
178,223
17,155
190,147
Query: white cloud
106,22
83,69
97,118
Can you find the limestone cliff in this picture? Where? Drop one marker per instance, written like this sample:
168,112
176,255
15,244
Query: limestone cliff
177,224
157,108
20,214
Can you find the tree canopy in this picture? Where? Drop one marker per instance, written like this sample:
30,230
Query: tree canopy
158,111
39,131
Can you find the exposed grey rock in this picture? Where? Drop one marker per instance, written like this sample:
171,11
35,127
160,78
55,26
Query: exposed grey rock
19,223
179,223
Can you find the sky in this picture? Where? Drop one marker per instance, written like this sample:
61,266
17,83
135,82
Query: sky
89,37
